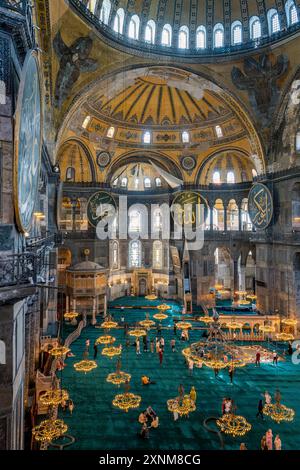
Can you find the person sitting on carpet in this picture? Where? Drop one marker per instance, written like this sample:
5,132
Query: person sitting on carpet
143,418
151,413
146,380
155,423
144,432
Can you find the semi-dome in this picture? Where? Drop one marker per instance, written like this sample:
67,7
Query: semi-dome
191,26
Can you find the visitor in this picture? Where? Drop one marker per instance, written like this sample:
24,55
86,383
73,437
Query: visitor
191,366
162,343
143,418
216,371
126,328
144,431
145,342
243,446
277,442
223,406
87,344
95,350
173,345
155,423
193,394
290,348
181,391
150,413
127,344
257,359
122,320
158,329
71,406
175,415
183,336
269,439
157,346
228,406
275,358
230,373
263,443
175,329
161,355
152,345
277,397
268,398
146,380
260,408
137,346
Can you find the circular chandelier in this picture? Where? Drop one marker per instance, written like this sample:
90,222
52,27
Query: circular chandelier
85,366
215,363
49,430
151,297
126,401
251,296
267,328
192,357
160,316
234,325
234,425
218,286
241,292
285,337
289,321
106,339
206,319
108,324
279,412
137,333
59,351
147,323
183,406
111,351
71,315
163,307
54,397
118,378
184,325
243,302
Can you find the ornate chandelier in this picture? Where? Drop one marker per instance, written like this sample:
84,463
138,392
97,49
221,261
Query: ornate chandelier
108,324
184,325
267,328
289,321
151,297
285,337
59,351
147,323
160,316
126,401
234,325
206,319
137,333
234,425
71,315
112,351
54,397
49,430
118,378
163,307
106,339
181,405
85,366
279,412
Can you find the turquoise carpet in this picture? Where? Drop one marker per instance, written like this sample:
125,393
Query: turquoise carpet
96,424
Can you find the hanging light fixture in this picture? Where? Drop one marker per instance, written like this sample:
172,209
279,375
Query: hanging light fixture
234,425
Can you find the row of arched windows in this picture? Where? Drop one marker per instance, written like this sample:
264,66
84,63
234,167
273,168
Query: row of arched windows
149,33
135,254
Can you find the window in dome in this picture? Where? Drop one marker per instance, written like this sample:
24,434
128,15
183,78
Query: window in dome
216,177
273,21
185,137
254,173
70,174
150,32
219,132
105,11
119,21
291,12
124,182
218,35
147,182
255,28
110,132
115,182
86,122
135,254
134,26
158,182
147,137
136,183
201,37
166,35
298,141
92,5
236,33
183,38
230,177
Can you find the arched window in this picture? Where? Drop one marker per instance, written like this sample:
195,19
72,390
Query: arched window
255,27
92,5
135,254
86,122
218,215
273,21
157,254
291,12
297,143
216,177
70,174
2,352
134,27
157,220
115,182
185,137
119,21
147,137
232,215
183,37
124,182
218,35
236,33
115,255
81,220
105,11
110,132
166,35
245,217
219,132
147,182
135,221
230,177
150,32
158,182
201,37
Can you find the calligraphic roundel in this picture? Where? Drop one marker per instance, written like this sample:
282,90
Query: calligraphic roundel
260,206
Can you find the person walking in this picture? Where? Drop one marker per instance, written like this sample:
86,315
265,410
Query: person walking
269,439
268,398
161,356
152,345
175,329
193,394
191,367
137,346
275,358
173,344
157,346
159,329
277,442
230,373
263,443
162,343
95,351
260,408
257,359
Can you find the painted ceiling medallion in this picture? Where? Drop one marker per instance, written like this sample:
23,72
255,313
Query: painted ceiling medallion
188,163
103,159
28,140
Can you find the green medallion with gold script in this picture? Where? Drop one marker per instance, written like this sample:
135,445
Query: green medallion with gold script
260,206
101,204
